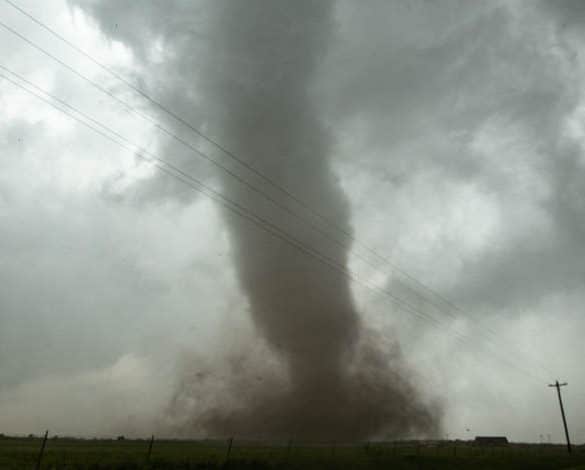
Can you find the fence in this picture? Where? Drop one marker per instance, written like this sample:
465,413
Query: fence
60,452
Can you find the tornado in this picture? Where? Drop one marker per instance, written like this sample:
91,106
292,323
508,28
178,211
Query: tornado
259,78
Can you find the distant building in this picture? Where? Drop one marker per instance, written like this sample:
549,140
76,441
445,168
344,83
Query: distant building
491,441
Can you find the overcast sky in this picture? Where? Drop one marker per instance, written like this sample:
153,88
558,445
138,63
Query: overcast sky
457,135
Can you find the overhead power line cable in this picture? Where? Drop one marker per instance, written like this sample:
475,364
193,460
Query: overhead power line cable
190,146
164,165
329,223
239,160
231,205
201,154
447,306
451,307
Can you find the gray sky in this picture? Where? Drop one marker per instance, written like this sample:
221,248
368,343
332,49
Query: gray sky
457,136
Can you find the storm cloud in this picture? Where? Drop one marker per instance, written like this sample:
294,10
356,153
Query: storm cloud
448,136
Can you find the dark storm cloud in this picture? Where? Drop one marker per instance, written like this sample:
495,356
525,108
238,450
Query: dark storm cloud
448,135
456,75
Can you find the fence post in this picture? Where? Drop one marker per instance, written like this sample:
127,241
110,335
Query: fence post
229,449
42,450
150,447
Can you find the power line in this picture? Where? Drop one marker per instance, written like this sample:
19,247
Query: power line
236,207
451,307
210,160
216,144
233,206
191,147
242,162
249,186
219,146
179,119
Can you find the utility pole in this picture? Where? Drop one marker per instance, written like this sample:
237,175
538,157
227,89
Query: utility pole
42,451
558,386
229,449
150,447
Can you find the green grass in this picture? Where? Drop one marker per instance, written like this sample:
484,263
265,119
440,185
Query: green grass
63,453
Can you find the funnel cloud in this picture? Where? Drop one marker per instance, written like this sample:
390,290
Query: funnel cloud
250,67
338,384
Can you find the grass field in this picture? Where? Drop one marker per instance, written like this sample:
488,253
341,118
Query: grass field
64,453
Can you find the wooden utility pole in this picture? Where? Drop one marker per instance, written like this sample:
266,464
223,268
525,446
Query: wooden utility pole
150,447
229,448
42,451
558,386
